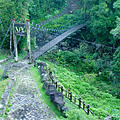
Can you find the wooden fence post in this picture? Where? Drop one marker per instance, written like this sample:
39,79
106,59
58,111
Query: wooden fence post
62,89
50,73
66,93
79,102
70,96
75,99
83,105
88,109
56,84
68,90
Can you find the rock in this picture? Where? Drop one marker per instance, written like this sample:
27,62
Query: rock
59,103
108,118
41,69
39,63
57,99
45,85
50,89
1,106
56,95
44,77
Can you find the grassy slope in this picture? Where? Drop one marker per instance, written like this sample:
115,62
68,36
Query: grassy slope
78,112
42,91
101,103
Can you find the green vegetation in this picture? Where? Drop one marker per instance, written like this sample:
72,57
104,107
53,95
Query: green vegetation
77,113
81,61
101,103
41,10
92,75
2,56
65,20
102,16
35,10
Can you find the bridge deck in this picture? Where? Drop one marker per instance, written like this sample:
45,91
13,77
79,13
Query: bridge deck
56,40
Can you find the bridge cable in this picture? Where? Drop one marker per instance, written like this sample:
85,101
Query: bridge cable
8,64
76,16
6,35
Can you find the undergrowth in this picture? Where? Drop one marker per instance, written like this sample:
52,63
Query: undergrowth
76,115
101,103
2,56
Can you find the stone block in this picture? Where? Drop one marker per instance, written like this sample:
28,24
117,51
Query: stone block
50,89
41,69
57,99
45,85
59,103
56,95
45,77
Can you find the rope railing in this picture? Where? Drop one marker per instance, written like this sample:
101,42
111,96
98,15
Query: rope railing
54,17
59,29
56,30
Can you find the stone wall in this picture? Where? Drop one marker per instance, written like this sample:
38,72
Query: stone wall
55,96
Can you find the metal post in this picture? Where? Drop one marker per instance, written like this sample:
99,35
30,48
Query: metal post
15,42
28,40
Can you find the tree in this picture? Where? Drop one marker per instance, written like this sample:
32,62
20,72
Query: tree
102,21
116,32
17,9
115,65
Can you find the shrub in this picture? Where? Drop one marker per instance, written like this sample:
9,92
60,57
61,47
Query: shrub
76,114
105,76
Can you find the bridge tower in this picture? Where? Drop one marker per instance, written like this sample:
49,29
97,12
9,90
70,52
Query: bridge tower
18,29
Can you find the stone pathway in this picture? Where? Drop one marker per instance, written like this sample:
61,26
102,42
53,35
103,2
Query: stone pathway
26,100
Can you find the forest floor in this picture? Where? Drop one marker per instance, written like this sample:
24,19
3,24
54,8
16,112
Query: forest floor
25,101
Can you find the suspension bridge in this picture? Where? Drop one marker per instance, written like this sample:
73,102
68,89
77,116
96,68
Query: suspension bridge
25,92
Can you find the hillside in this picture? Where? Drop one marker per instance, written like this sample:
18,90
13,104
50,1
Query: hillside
87,61
101,103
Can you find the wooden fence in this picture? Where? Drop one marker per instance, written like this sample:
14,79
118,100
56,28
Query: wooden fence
68,94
